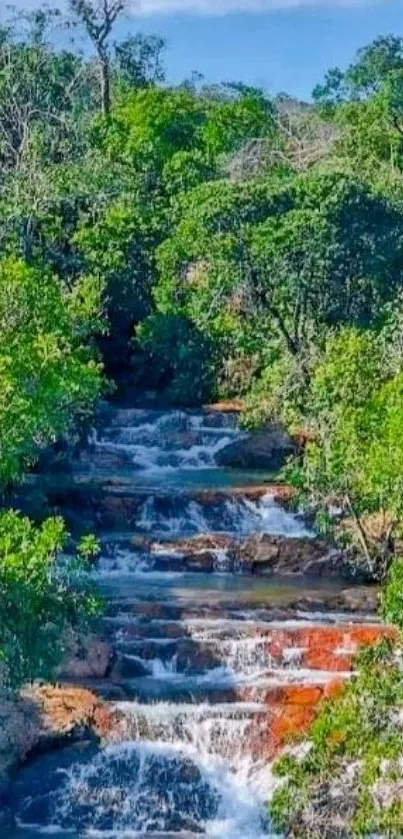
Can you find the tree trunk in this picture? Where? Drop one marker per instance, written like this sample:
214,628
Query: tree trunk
105,85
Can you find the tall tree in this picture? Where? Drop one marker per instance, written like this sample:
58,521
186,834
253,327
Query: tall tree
139,59
98,18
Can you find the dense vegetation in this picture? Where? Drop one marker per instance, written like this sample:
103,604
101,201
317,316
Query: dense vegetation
203,241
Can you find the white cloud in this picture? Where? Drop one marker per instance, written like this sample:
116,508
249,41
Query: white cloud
222,7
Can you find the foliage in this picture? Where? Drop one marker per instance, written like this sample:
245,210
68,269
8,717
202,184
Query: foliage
42,596
47,370
139,60
178,359
272,258
392,595
366,75
352,412
348,782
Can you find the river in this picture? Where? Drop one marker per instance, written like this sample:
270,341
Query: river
202,654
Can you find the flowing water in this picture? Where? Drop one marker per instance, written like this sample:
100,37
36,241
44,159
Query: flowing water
199,652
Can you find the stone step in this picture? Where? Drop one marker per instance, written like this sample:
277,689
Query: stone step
245,649
112,496
273,688
128,417
276,601
309,647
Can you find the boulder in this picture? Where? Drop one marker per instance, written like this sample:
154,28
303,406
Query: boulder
46,717
264,449
201,553
19,727
68,712
361,598
264,553
129,667
226,406
105,459
90,657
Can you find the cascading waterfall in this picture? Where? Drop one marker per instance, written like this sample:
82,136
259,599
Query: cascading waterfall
196,656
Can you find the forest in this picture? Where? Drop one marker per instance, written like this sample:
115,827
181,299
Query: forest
206,242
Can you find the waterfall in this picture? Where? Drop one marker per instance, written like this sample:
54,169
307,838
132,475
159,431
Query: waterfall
204,659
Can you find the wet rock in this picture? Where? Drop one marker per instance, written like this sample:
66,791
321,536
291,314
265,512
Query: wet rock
226,406
194,658
19,724
103,459
204,553
118,509
47,717
267,554
140,543
129,667
281,494
263,552
265,449
361,599
89,657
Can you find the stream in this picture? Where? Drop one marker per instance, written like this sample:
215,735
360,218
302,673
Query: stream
206,657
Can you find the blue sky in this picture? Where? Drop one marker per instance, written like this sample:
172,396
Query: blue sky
282,49
281,45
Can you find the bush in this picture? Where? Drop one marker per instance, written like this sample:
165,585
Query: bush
354,456
347,782
48,372
42,596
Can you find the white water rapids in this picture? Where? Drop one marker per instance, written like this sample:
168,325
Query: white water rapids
185,762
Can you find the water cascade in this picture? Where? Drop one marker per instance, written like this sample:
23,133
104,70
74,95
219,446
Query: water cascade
210,662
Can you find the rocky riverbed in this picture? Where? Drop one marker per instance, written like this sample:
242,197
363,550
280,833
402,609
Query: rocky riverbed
226,623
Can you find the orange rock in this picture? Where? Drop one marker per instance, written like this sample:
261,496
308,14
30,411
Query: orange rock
64,710
227,406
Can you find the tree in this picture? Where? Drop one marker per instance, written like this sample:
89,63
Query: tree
354,457
48,371
98,18
318,249
366,75
38,90
139,60
41,599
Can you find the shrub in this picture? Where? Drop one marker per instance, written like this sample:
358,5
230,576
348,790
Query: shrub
48,372
42,595
347,781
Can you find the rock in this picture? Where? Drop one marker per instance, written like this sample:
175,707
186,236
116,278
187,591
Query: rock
89,658
265,449
277,554
361,599
202,553
140,543
261,553
226,406
69,712
45,717
19,726
129,667
281,494
106,459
